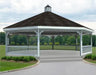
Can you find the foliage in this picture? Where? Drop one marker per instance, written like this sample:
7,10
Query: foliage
93,57
62,40
21,58
45,43
50,43
2,38
12,43
71,40
90,56
57,43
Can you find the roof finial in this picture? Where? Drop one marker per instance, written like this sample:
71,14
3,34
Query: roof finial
47,8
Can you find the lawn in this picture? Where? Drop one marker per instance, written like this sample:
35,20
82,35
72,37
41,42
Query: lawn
57,47
2,51
94,50
7,65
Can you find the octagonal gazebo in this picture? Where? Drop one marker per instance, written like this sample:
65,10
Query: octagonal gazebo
46,23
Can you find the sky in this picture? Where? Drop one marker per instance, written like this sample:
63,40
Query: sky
80,11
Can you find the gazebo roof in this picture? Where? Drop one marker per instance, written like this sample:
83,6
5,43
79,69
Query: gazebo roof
46,19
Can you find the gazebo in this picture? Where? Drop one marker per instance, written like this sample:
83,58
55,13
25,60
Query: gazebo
46,23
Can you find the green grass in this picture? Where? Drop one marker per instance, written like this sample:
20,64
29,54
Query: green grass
8,65
57,47
94,50
2,51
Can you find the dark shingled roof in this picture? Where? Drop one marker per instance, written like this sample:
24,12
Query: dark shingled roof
46,19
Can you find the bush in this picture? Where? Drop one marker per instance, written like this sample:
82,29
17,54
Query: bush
50,43
57,43
17,43
3,57
45,43
21,58
93,57
32,58
88,56
26,59
23,43
8,58
12,43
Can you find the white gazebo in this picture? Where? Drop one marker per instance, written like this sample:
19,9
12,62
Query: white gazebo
46,23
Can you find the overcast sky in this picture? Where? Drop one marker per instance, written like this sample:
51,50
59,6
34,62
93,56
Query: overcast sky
80,11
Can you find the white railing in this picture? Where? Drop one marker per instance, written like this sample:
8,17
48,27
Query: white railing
86,49
22,50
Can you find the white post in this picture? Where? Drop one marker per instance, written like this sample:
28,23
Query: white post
81,43
38,43
6,42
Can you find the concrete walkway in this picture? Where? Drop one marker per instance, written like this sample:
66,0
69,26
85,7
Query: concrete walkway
58,68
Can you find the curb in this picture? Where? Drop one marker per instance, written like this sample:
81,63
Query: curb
21,68
88,62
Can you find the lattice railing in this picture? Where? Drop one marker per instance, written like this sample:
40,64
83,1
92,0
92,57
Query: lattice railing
22,50
86,49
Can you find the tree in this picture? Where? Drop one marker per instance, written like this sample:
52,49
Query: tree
2,38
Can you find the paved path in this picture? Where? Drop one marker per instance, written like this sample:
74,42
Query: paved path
58,68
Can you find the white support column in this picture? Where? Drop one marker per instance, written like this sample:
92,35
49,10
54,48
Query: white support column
38,32
81,43
38,43
6,41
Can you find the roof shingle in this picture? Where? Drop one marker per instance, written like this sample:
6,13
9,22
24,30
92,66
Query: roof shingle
46,19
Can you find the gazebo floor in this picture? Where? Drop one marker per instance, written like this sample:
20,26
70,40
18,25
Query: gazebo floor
50,55
59,55
45,53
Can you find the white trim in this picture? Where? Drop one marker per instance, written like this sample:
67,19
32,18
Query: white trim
86,53
25,46
47,27
7,41
86,45
81,43
38,43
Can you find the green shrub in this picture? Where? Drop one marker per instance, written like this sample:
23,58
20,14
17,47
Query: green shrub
45,43
88,56
32,58
57,43
4,57
8,58
50,43
21,58
12,43
17,43
26,59
23,43
16,58
93,57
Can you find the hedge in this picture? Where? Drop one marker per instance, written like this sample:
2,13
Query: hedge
90,56
21,58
